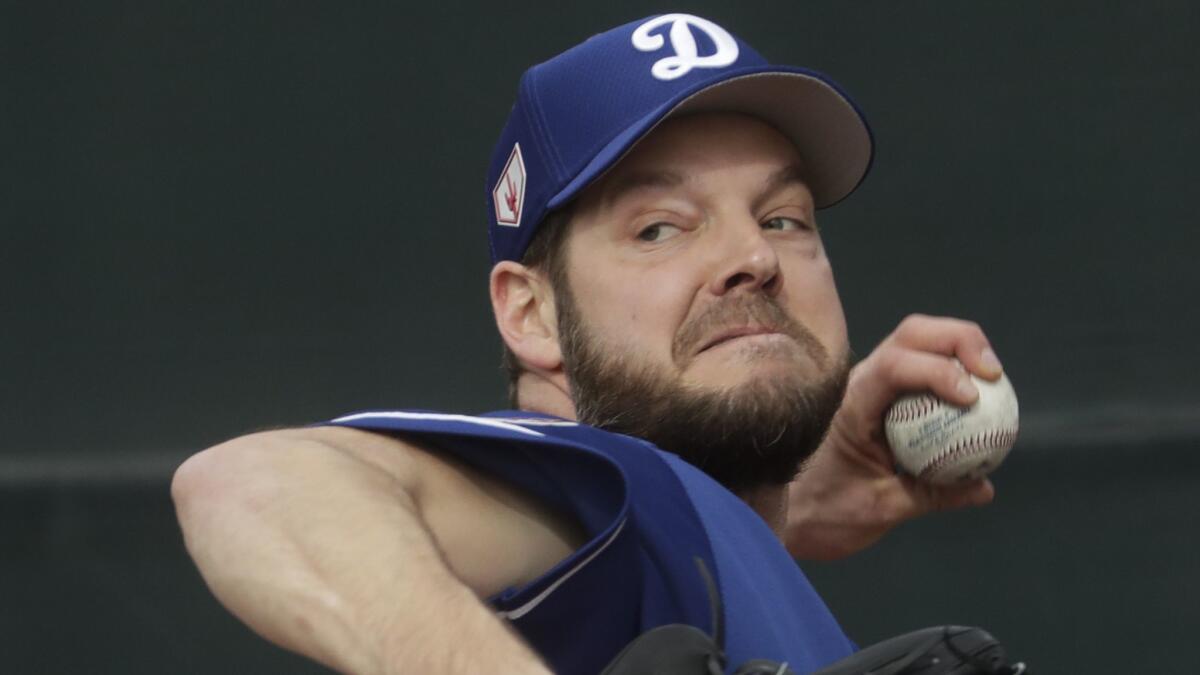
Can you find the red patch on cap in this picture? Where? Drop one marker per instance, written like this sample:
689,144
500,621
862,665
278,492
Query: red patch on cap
509,194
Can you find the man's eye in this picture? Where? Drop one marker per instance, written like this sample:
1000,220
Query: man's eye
657,232
783,223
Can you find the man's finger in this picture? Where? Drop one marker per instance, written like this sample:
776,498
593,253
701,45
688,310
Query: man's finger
964,340
892,371
976,493
914,498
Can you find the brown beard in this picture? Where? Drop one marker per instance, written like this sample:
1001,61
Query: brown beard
747,436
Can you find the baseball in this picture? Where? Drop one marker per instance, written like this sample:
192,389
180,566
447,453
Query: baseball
942,443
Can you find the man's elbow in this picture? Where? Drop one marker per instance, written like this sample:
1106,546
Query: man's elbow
224,475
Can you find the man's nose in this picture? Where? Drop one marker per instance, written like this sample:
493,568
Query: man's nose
746,258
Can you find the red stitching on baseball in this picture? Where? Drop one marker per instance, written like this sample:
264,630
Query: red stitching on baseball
970,445
913,408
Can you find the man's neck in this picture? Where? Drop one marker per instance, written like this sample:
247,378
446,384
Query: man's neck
770,503
549,396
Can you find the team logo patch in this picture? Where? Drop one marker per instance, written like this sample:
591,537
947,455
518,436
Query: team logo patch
509,193
687,56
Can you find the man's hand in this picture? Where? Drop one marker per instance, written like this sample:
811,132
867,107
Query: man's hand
849,494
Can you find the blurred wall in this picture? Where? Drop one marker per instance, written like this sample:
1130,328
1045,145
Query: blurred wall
218,217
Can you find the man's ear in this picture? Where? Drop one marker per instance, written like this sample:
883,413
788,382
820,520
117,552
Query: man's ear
523,303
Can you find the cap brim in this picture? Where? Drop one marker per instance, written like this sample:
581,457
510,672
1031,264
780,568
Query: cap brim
829,132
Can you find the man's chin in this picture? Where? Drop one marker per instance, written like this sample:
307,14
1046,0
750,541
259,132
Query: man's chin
751,434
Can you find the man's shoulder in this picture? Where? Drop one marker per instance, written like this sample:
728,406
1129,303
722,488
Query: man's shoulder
563,462
560,461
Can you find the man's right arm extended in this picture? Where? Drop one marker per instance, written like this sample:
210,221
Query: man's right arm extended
364,552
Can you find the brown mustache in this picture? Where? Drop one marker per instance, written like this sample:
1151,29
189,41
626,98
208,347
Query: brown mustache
756,310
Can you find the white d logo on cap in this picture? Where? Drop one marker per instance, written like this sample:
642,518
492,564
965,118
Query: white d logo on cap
686,58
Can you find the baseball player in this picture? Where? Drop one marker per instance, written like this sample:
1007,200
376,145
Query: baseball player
677,352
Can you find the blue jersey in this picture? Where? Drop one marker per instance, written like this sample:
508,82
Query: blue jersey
652,521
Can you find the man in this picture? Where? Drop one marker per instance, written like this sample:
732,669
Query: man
659,277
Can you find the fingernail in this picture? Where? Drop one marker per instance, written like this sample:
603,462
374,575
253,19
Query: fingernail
966,388
988,358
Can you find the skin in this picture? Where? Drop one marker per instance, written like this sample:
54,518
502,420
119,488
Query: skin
659,255
372,554
642,261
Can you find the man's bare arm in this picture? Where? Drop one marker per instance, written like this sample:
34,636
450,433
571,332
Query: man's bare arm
364,552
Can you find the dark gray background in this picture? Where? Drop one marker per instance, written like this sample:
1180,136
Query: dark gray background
222,217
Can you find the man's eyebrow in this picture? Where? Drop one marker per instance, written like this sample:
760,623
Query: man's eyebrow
789,175
637,180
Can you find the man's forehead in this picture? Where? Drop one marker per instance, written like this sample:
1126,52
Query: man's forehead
681,147
625,184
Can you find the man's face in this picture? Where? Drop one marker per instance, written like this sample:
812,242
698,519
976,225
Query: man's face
701,312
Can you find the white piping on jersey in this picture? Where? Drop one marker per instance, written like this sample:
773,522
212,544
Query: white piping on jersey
537,600
537,421
442,417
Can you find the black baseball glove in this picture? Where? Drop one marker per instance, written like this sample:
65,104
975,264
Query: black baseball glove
943,650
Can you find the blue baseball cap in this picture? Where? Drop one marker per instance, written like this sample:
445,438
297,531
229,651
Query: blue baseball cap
577,114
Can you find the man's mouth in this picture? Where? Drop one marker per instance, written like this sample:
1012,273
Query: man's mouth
737,332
